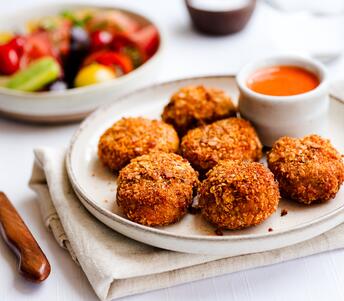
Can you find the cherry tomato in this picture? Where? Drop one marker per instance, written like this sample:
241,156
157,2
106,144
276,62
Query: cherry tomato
110,59
9,60
93,74
100,39
17,43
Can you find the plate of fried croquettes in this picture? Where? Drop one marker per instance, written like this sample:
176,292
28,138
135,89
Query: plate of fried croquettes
175,166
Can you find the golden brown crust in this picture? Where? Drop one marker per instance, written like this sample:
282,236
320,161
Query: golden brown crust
194,106
156,189
232,138
132,137
238,194
308,170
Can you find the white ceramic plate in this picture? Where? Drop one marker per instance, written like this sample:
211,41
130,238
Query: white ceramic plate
72,104
96,186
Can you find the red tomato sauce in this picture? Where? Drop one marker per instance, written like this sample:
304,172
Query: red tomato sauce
282,81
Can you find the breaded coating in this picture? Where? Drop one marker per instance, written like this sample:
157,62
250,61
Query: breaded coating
132,137
308,170
232,138
194,106
156,189
238,194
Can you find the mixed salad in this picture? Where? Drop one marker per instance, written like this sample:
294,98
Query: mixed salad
74,49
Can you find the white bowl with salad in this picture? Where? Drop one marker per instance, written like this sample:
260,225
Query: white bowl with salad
60,62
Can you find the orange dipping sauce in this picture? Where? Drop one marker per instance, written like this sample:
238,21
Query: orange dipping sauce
282,81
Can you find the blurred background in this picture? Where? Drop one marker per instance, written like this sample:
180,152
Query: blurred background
306,27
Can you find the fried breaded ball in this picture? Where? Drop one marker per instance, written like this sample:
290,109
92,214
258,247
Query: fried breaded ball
132,137
232,138
194,106
308,170
238,194
156,189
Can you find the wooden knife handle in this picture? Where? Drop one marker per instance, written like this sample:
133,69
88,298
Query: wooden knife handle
33,264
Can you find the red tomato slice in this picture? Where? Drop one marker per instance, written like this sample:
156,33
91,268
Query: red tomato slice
60,37
110,58
122,42
39,45
147,38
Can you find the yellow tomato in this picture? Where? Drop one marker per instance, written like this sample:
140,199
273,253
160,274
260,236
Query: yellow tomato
93,74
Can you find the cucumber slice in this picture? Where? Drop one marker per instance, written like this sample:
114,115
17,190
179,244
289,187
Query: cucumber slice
37,75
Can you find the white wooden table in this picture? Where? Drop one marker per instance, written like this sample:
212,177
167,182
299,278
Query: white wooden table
319,277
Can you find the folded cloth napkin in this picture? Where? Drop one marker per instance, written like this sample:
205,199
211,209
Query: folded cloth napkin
117,266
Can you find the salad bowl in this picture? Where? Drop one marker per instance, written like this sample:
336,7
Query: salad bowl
76,103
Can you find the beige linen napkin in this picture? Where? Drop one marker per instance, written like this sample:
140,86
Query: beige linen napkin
117,266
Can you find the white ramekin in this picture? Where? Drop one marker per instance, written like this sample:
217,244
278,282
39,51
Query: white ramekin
277,116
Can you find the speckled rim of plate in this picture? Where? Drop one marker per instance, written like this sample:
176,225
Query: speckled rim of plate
337,99
81,193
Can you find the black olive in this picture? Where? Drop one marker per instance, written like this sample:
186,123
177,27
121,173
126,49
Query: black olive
80,43
80,39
